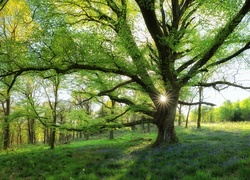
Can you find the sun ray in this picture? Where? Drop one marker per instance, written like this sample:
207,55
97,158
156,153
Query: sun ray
163,100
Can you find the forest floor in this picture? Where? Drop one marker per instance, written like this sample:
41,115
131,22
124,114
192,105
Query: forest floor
216,151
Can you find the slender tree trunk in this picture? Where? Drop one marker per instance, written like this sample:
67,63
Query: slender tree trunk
143,128
46,137
31,131
199,108
20,139
148,127
134,118
111,132
61,136
86,135
189,108
81,134
179,115
12,138
52,138
6,138
53,132
164,119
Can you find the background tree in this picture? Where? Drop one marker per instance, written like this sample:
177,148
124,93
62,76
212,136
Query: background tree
83,104
228,111
27,89
5,103
237,111
15,28
51,89
245,109
191,94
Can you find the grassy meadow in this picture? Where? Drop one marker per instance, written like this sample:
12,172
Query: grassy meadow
217,151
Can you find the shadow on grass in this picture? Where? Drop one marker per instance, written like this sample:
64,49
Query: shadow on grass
203,154
80,160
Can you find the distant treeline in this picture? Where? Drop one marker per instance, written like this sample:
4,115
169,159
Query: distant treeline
228,111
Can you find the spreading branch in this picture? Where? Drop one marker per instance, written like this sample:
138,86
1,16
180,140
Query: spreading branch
142,121
74,67
106,126
135,107
148,13
106,92
213,84
196,103
116,117
246,47
219,39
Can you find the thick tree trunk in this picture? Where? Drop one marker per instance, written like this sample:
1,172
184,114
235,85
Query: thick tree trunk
164,119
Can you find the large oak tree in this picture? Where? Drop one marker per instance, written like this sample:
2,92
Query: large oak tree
157,47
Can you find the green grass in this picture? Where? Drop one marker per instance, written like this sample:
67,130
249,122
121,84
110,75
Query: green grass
217,151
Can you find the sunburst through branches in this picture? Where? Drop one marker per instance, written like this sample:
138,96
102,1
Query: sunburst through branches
163,100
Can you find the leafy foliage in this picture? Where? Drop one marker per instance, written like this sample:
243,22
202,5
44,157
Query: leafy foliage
228,111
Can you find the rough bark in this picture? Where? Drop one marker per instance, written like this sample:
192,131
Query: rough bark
166,132
164,120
